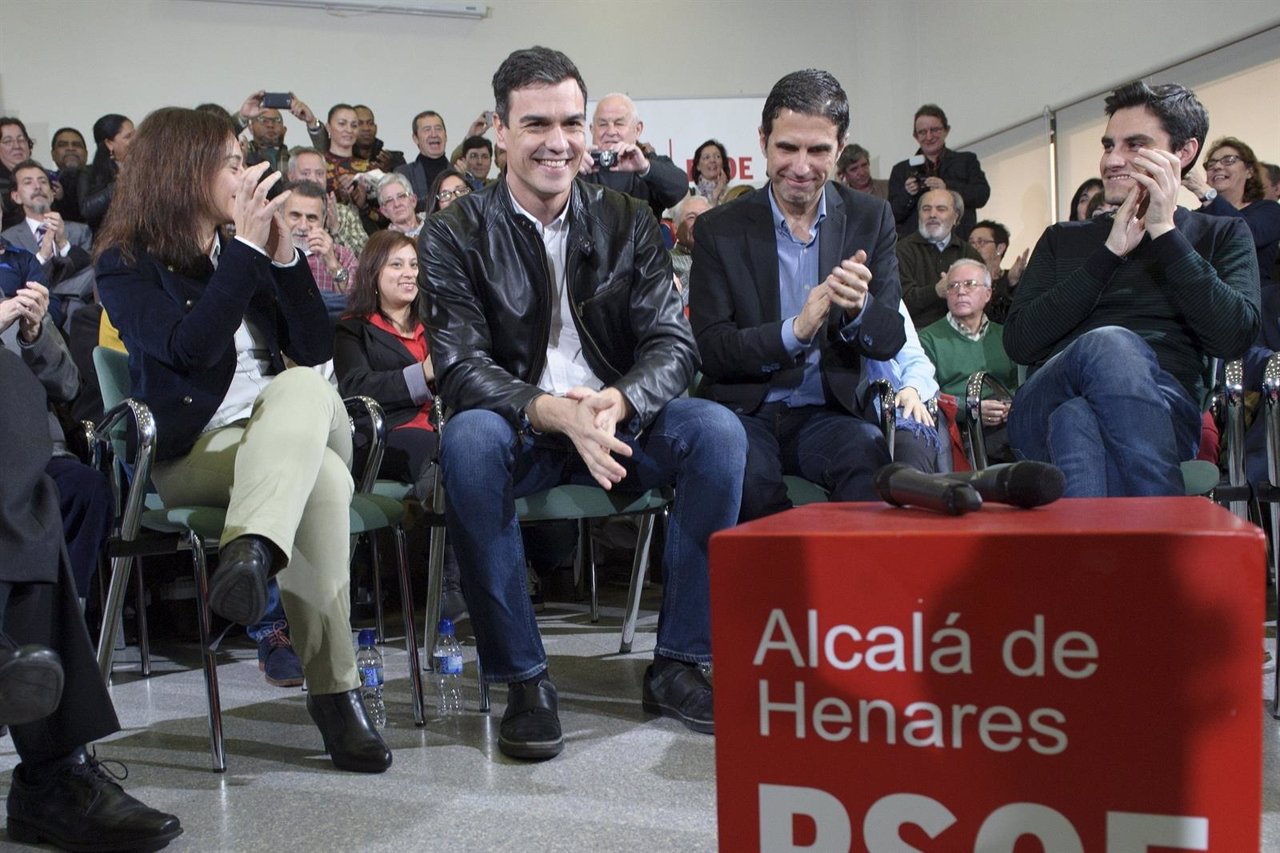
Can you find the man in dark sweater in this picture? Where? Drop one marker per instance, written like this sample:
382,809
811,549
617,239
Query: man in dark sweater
925,255
1122,316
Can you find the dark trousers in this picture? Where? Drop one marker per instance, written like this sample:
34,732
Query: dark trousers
48,614
87,509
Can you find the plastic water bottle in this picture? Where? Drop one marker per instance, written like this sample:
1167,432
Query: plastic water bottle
448,664
369,665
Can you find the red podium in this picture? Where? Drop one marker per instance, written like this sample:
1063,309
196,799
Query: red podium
1086,674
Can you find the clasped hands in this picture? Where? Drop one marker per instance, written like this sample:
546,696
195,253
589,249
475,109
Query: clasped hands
846,287
258,219
590,419
1150,203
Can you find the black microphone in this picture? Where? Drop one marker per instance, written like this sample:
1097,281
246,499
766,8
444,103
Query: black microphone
1025,484
899,484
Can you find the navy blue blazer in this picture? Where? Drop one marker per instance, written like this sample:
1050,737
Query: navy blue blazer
734,301
179,328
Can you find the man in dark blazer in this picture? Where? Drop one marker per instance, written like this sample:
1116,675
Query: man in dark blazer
792,287
936,167
51,693
61,247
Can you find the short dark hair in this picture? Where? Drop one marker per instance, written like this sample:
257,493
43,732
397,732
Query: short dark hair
362,296
533,66
810,92
473,142
63,130
1272,170
1253,189
998,231
1087,188
28,163
4,120
850,155
930,110
427,114
307,189
333,109
1179,111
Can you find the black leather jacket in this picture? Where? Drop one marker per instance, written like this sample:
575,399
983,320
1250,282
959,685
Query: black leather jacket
488,290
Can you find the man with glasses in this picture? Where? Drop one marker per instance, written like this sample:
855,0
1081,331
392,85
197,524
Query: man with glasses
1121,317
966,341
398,204
936,167
924,256
991,240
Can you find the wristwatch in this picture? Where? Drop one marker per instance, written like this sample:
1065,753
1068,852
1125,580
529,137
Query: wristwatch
1209,195
341,276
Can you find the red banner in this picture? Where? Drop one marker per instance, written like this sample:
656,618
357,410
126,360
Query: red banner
1085,675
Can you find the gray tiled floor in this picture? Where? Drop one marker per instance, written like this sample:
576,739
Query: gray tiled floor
624,782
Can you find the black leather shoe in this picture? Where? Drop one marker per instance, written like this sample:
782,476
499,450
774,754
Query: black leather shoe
680,691
79,806
30,684
238,590
531,725
350,738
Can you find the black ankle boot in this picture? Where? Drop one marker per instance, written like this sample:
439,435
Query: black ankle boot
349,735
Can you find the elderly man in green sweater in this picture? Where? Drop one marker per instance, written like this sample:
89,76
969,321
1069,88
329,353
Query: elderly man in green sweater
965,341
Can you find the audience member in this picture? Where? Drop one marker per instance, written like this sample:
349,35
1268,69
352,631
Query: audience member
62,248
69,156
267,146
340,220
448,187
1232,186
916,441
399,205
991,240
15,147
923,257
266,142
854,169
331,265
936,167
1120,317
54,699
344,168
652,178
432,139
477,154
1085,194
1270,174
785,355
207,323
687,212
535,405
965,341
369,147
711,171
112,134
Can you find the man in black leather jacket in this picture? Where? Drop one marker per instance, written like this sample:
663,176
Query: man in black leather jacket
559,342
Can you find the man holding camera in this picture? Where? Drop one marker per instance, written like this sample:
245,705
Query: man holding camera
620,163
265,124
936,167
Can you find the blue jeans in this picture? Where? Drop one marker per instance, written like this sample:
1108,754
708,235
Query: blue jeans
826,446
694,445
1106,413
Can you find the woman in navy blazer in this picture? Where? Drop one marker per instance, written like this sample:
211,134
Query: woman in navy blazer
207,321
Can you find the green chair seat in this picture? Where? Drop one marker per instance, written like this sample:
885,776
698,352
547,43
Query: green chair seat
802,491
368,513
564,502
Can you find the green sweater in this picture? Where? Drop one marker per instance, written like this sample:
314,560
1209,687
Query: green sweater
955,358
1192,295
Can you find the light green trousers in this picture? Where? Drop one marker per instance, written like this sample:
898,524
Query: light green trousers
285,475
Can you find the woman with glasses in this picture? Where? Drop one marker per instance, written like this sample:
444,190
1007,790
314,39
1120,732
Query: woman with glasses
1232,186
15,146
448,187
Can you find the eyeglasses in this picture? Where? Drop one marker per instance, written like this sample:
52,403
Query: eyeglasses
967,284
979,242
929,131
1227,160
15,140
269,120
449,195
387,202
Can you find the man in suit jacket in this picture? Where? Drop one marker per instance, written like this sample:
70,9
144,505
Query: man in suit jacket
792,287
432,139
937,167
61,247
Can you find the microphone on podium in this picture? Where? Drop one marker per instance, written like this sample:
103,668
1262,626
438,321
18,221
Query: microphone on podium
1023,484
901,485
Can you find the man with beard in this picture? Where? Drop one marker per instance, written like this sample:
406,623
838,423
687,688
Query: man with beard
925,256
61,247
